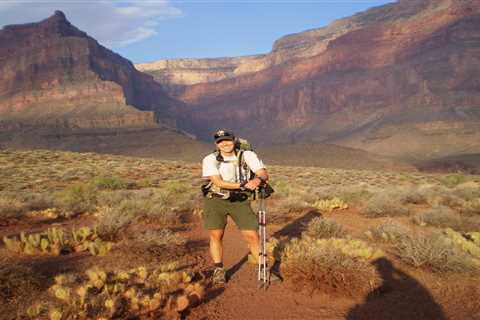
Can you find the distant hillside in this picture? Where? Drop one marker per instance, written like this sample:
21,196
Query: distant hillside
329,156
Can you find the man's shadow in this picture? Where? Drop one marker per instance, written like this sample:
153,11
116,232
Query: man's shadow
400,297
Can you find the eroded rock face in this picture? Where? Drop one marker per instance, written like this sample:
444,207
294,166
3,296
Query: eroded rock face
396,80
51,73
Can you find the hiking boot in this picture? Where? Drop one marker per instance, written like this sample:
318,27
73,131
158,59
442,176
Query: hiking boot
219,276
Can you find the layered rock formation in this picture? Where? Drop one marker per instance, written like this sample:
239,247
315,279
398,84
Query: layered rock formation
60,89
401,79
52,74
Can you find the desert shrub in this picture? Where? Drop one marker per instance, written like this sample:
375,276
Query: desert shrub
290,205
471,207
111,221
112,198
319,228
453,179
384,204
78,198
389,231
11,207
163,237
443,217
123,294
37,201
413,196
330,265
467,191
435,252
355,196
17,280
110,183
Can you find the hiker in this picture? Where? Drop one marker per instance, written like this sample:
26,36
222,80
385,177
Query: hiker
227,193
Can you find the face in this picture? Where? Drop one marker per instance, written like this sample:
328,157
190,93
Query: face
226,146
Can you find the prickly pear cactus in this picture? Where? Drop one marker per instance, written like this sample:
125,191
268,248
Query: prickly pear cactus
55,241
122,294
462,241
328,205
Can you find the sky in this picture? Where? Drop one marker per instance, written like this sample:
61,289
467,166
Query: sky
149,30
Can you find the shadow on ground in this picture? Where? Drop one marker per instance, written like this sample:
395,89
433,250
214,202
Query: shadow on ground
400,297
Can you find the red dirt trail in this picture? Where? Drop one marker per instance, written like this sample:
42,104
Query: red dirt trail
241,299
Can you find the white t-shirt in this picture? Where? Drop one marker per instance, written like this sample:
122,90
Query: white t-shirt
229,171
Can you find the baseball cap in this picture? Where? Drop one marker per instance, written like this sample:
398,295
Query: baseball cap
223,135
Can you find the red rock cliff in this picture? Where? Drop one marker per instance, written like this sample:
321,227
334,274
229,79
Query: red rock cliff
51,73
403,81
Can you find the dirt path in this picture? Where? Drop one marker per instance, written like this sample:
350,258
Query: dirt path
241,299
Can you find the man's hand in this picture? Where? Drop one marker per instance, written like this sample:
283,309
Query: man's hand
253,184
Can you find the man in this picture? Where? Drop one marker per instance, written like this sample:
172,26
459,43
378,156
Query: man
227,195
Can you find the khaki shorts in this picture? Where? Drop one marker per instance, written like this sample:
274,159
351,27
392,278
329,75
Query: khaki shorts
215,212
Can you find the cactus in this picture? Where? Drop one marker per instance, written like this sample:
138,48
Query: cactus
36,311
62,293
328,205
474,236
55,314
23,238
12,244
461,241
34,240
29,249
123,294
44,244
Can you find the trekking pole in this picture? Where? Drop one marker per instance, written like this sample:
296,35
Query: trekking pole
262,232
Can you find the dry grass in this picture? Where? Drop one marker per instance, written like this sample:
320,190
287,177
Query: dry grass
319,266
435,252
320,228
163,237
386,204
444,217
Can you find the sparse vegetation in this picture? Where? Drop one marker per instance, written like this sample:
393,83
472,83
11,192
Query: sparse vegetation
320,228
435,252
444,217
335,265
385,204
143,204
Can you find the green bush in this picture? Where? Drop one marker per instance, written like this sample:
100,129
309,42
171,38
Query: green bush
110,183
454,179
11,208
78,198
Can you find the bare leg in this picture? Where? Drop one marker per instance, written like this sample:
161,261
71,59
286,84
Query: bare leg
216,246
251,236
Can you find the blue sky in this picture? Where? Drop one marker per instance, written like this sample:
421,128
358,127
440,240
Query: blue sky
150,30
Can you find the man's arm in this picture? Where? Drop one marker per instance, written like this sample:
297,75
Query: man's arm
218,181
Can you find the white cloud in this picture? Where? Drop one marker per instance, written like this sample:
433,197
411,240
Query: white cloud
113,23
